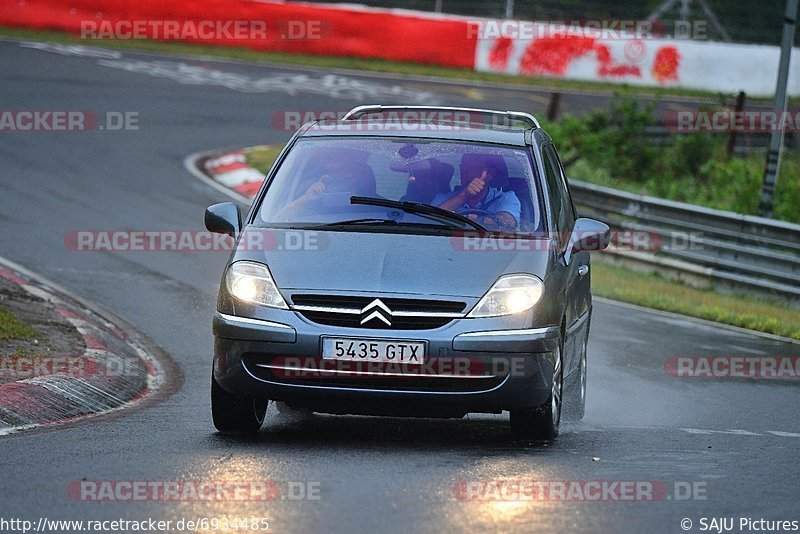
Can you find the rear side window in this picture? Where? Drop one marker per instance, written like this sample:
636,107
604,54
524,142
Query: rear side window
564,186
560,201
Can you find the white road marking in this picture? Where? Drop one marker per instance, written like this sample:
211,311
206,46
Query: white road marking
581,427
748,350
72,50
737,432
331,85
785,434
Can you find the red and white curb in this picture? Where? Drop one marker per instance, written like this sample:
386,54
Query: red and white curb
121,372
228,172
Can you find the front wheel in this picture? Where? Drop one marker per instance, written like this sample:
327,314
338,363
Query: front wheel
543,421
575,392
234,414
581,408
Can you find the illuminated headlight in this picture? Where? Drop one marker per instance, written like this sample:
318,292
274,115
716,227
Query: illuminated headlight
514,293
252,282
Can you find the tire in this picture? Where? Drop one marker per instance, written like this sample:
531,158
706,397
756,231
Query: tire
543,421
580,403
234,414
575,391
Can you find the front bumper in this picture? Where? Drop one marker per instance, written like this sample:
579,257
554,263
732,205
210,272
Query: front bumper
472,366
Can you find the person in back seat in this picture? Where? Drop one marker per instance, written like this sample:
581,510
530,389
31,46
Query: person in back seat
427,179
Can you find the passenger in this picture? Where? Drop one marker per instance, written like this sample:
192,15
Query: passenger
478,192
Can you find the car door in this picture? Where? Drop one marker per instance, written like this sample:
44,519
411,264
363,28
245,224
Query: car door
564,219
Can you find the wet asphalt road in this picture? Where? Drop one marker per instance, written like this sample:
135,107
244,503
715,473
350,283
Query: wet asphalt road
738,441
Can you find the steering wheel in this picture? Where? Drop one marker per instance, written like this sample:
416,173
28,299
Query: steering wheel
482,215
476,211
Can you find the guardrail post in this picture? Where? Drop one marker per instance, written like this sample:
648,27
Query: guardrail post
509,9
776,142
552,106
737,110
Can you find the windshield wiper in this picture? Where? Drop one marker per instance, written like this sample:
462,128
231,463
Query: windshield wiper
355,222
379,222
418,207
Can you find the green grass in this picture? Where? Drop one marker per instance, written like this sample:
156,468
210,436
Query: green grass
654,291
374,65
262,157
12,329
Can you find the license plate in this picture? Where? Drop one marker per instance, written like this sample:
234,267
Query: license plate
373,350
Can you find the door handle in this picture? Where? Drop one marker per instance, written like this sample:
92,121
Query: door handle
583,270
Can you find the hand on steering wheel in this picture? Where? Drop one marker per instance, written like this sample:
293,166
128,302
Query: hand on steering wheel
480,215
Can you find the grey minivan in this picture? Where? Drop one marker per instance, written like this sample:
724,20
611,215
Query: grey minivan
407,261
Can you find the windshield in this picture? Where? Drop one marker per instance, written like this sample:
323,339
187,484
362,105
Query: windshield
325,182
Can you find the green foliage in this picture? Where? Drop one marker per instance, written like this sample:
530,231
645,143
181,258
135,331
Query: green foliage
12,328
689,154
262,157
787,195
612,139
612,149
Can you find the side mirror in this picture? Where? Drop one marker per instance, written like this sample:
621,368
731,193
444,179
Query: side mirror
589,235
224,218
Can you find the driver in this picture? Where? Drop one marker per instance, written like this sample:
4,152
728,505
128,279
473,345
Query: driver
338,176
490,206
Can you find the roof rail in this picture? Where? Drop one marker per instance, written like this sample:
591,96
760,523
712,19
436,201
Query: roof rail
360,111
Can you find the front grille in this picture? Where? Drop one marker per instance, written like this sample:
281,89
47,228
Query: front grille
314,371
405,314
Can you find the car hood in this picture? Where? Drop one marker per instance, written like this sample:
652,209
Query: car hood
394,263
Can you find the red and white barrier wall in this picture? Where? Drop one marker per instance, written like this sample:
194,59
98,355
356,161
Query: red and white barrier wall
351,32
705,65
400,35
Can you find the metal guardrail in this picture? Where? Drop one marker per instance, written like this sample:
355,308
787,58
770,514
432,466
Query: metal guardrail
734,250
745,142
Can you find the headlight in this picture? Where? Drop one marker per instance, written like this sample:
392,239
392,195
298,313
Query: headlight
513,293
253,283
